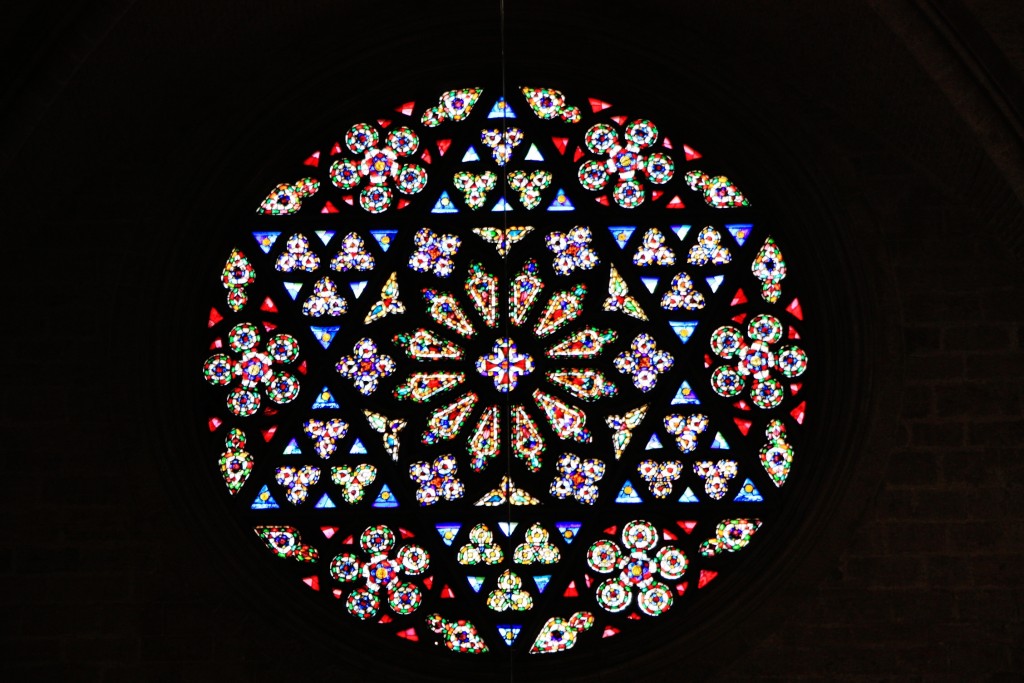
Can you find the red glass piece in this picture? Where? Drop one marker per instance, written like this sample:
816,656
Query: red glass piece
799,412
213,423
621,120
561,144
578,154
336,149
215,317
348,199
611,530
634,616
386,619
706,575
609,631
588,579
744,425
667,143
446,592
707,360
269,432
603,200
402,203
681,587
691,153
302,368
597,105
313,159
405,533
795,310
329,207
793,334
571,591
384,123
408,634
337,593
348,541
406,108
313,582
656,195
740,298
268,326
741,405
739,318
687,525
426,156
428,582
270,411
217,343
268,306
675,203
443,145
795,388
668,535
329,531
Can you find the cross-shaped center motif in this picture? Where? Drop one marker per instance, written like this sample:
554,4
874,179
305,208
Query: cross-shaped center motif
505,364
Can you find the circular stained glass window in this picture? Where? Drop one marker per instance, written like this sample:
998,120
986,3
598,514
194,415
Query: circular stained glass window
505,375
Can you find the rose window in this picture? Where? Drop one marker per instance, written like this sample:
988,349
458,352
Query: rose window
506,374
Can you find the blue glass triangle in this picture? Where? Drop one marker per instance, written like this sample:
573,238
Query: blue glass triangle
325,400
325,235
476,583
683,328
509,632
688,496
720,442
534,154
448,532
653,442
685,395
542,581
264,501
680,230
385,499
741,231
502,205
325,502
508,527
748,494
501,110
628,494
444,204
714,282
357,448
292,448
384,238
651,283
470,155
357,287
561,202
621,234
568,530
266,240
324,335
292,288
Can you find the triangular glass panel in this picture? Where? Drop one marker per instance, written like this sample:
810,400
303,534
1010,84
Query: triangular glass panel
215,317
313,159
266,240
502,205
621,120
384,238
444,204
691,153
795,310
325,335
447,593
688,496
680,231
329,531
269,432
470,155
720,442
748,493
325,502
743,425
561,202
385,499
653,443
560,144
628,494
534,154
687,525
568,530
292,448
683,328
509,632
406,108
409,634
570,591
501,110
448,532
264,501
741,231
357,287
325,235
507,527
357,448
476,583
685,395
621,234
706,575
329,207
740,298
443,145
714,282
598,105
542,581
651,283
675,203
293,289
269,306
609,631
325,400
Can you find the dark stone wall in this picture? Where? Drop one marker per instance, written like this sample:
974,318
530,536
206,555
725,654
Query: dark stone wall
124,117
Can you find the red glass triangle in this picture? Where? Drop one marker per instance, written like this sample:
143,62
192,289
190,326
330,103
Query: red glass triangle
603,200
621,120
597,105
687,525
561,144
744,425
691,153
428,582
426,155
302,367
348,199
268,306
408,634
313,159
793,334
706,575
668,143
443,145
707,360
213,423
578,154
741,405
270,411
313,582
329,208
336,149
611,530
329,531
268,326
656,195
634,616
668,535
348,541
794,308
446,592
402,203
337,593
215,317
386,619
675,203
384,123
571,591
740,318
609,631
406,108
740,298
799,412
588,579
406,533
217,343
795,388
268,433
681,587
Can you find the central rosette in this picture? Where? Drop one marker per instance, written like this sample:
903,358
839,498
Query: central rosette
505,364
